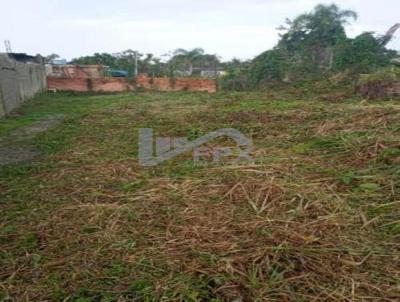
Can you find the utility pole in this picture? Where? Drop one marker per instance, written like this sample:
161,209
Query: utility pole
216,75
7,44
136,64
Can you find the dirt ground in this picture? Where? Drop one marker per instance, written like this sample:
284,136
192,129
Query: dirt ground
11,152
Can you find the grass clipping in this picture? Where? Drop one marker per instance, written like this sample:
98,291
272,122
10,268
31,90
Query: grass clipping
316,218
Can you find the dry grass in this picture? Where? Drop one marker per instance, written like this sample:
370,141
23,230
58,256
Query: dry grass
315,218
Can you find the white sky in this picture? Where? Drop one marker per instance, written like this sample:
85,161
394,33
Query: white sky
229,28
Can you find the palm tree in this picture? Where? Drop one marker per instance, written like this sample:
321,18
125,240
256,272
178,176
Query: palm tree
323,27
314,35
188,57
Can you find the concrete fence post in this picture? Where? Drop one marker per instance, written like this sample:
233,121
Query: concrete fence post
2,105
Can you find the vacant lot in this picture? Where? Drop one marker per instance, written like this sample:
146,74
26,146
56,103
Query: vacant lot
316,217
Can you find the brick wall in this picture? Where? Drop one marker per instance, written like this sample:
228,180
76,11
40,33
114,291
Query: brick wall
122,84
111,85
79,85
178,84
83,85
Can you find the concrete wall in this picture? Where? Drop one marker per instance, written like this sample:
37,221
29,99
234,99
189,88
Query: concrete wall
19,82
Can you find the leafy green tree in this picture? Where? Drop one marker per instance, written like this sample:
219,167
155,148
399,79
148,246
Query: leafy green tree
236,65
123,60
151,65
51,57
362,54
270,65
188,57
310,37
208,61
306,46
98,58
323,27
236,75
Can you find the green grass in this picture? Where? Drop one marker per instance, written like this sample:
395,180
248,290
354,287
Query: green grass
315,217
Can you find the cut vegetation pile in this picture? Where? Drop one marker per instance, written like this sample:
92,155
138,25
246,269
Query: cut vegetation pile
316,217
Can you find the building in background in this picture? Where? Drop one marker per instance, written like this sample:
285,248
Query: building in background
58,61
115,73
69,71
59,68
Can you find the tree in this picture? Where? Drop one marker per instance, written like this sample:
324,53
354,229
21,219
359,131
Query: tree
362,54
386,38
306,46
97,59
208,60
270,65
236,75
311,36
323,27
51,57
188,57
